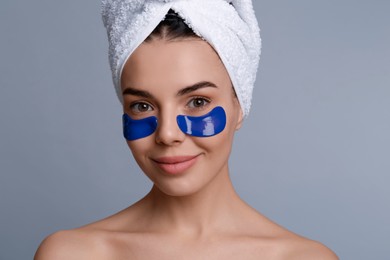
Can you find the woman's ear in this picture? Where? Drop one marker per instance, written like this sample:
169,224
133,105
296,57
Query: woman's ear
240,118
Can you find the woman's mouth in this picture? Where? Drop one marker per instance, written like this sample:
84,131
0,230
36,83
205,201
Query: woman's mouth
176,164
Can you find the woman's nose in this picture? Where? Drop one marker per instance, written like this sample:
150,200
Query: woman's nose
168,131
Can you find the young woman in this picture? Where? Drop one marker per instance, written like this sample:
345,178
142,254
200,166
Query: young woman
181,111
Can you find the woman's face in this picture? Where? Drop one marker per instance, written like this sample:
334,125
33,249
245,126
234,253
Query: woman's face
182,77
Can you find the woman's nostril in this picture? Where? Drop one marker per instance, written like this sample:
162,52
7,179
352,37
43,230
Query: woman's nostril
168,131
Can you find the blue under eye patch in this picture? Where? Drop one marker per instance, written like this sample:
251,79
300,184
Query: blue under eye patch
203,126
137,129
207,125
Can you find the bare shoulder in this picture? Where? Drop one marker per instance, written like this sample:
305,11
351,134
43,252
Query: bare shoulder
302,249
280,243
71,244
97,240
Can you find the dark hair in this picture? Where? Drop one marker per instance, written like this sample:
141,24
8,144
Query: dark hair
172,27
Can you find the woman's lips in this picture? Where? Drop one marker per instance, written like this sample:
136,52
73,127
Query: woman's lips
175,165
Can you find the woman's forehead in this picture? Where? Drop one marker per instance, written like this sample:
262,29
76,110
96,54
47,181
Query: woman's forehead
173,63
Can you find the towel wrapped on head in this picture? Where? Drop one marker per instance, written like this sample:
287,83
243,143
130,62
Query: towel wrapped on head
229,26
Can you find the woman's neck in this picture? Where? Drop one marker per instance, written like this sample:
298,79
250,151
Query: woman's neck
197,213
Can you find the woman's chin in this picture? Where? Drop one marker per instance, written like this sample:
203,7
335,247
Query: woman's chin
176,189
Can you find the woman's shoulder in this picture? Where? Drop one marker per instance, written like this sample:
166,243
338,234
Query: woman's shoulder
92,241
80,243
289,246
284,244
302,249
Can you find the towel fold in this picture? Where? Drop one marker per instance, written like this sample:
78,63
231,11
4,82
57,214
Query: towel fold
229,26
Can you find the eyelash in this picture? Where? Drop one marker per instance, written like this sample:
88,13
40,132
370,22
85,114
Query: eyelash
135,106
198,98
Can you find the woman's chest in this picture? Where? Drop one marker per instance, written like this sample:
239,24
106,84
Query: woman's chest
148,247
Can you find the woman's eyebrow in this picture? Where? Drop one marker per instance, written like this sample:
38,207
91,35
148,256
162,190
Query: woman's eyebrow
189,89
184,91
136,92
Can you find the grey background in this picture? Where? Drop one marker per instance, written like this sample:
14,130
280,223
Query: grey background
313,155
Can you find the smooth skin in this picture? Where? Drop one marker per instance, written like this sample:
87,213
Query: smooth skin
194,213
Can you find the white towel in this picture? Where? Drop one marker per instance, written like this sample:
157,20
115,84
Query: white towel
229,26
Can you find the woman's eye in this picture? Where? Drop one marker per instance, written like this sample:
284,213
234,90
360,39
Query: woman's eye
198,102
141,107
